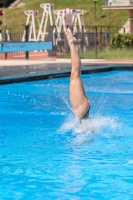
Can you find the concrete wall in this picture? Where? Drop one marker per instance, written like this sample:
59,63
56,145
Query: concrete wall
120,2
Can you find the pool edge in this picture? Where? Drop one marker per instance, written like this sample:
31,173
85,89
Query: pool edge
57,73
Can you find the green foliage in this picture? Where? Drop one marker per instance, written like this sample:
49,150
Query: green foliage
116,53
109,53
106,53
122,40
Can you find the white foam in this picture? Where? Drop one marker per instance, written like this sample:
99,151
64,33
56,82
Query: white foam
130,162
87,129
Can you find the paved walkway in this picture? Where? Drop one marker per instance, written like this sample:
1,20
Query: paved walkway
56,60
26,70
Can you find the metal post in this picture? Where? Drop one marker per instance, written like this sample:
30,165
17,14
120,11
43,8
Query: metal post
106,2
95,1
109,34
50,38
83,42
27,39
117,30
6,54
101,36
110,4
96,42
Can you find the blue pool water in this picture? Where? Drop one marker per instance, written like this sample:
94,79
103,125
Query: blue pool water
46,154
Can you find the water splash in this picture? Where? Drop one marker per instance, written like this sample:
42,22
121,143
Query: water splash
86,130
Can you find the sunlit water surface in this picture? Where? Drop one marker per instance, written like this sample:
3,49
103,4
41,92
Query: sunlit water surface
46,154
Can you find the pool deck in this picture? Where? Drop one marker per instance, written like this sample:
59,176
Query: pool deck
13,71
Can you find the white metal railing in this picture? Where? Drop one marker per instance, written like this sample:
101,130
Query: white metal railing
119,2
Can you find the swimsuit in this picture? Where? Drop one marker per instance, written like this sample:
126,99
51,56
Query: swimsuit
86,116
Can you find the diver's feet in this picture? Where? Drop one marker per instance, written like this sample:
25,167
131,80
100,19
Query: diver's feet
69,36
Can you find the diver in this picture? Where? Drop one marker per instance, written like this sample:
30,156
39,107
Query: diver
78,99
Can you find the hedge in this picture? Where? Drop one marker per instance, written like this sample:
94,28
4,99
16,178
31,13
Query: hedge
122,40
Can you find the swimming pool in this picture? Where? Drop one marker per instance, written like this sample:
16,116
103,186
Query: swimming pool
45,154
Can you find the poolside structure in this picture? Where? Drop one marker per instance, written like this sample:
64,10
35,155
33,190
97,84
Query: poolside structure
46,18
76,18
39,30
32,20
3,23
69,17
121,5
51,17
